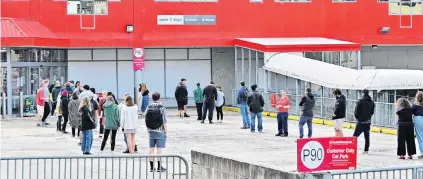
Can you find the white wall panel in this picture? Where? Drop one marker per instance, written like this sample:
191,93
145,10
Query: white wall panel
193,70
199,53
153,76
74,55
154,54
126,78
176,54
104,54
90,73
124,54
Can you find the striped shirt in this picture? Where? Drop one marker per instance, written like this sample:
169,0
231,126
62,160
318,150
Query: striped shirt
163,112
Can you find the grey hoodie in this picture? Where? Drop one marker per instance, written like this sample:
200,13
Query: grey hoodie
88,93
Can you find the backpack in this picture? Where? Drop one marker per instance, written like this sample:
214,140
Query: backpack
154,117
246,94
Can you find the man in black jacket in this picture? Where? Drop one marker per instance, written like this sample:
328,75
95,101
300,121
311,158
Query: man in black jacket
256,103
363,113
339,112
307,102
210,97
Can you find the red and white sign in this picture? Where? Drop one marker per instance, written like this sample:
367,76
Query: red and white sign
329,153
273,100
138,61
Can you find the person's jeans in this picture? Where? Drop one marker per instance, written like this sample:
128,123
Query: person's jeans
199,107
306,120
59,123
363,128
46,111
282,123
106,135
126,140
244,112
418,125
210,108
87,140
145,100
259,122
65,122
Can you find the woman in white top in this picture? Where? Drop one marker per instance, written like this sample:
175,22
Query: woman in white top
219,104
129,121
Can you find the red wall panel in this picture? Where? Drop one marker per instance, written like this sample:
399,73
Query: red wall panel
359,22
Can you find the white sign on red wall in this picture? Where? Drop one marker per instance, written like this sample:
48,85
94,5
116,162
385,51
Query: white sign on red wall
138,61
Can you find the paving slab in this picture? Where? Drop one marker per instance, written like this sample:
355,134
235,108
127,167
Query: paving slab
20,137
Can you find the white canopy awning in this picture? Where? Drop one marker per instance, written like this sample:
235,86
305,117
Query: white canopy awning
333,76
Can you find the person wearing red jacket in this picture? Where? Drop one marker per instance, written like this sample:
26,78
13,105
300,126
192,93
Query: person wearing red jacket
39,99
283,106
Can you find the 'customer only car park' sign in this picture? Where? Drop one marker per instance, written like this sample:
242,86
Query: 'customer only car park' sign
186,19
329,153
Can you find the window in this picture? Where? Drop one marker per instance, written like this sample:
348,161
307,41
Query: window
405,7
97,7
293,0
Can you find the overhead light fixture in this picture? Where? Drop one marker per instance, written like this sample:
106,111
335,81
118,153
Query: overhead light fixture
384,30
374,46
129,28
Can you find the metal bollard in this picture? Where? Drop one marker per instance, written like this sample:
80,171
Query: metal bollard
4,104
21,104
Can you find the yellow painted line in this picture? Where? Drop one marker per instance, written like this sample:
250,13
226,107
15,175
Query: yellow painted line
346,125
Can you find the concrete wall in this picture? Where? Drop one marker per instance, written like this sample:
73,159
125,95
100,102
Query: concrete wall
209,166
223,70
393,57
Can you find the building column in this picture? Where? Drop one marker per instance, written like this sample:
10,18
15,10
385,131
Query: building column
236,69
9,81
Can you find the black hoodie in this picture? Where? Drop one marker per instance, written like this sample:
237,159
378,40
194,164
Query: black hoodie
340,108
55,92
181,93
364,109
308,102
64,103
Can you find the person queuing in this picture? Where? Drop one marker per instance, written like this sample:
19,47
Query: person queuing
55,94
87,125
198,98
219,104
363,112
283,106
75,117
40,105
210,97
256,103
184,82
418,120
406,143
144,98
121,105
68,88
181,95
103,99
64,108
339,112
78,89
129,121
46,99
156,123
307,102
112,122
242,97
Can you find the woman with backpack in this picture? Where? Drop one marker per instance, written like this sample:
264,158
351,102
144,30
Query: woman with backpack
129,121
75,116
112,122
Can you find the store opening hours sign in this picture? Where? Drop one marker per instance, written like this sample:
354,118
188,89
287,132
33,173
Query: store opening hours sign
138,61
329,153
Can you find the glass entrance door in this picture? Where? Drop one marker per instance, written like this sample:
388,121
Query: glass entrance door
34,80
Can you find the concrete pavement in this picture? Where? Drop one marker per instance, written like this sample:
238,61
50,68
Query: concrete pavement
22,138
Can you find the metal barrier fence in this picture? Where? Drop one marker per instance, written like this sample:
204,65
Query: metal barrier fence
384,115
93,167
406,172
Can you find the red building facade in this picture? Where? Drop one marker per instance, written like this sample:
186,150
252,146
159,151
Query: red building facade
359,21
